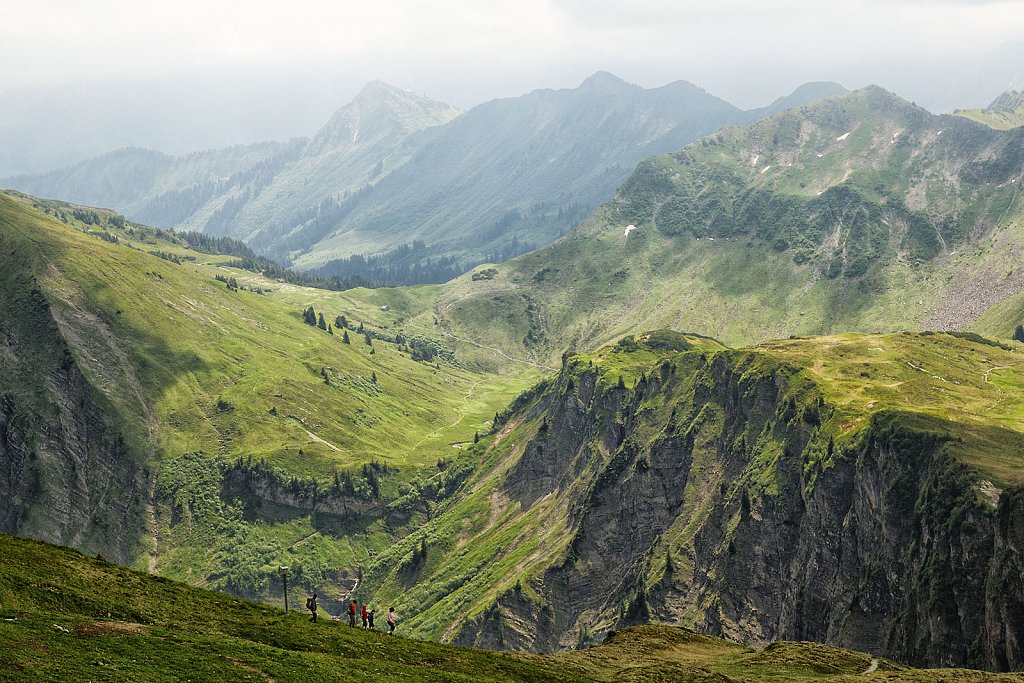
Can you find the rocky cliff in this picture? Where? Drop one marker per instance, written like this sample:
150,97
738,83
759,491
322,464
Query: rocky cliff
730,493
68,476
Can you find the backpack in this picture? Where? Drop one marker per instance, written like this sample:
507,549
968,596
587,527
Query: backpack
310,603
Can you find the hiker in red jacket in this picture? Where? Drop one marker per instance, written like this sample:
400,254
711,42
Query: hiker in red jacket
352,612
365,614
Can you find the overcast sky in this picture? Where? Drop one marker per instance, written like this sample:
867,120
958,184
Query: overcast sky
275,68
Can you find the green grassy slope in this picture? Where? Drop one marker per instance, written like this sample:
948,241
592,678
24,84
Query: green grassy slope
193,344
859,212
68,616
973,386
197,377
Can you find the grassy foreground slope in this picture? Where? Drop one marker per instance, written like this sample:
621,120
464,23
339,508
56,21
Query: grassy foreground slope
856,213
67,616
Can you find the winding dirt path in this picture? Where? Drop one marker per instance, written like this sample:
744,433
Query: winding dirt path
993,369
303,540
461,410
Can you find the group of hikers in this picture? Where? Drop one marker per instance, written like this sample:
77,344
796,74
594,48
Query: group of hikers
365,613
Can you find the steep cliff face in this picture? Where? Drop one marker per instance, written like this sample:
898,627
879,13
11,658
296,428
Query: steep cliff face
258,487
726,493
67,476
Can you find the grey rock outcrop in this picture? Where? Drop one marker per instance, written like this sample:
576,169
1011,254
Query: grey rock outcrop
733,514
66,473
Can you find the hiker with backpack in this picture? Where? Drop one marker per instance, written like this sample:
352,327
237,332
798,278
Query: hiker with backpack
311,606
365,615
370,618
392,621
352,612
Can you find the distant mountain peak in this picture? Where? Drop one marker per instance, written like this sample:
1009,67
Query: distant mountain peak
1009,102
377,108
802,95
605,80
818,89
878,97
376,89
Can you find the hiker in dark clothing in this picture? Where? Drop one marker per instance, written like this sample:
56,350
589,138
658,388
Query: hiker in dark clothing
311,606
392,620
365,615
352,612
370,618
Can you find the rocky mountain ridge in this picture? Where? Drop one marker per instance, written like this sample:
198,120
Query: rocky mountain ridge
1004,113
490,183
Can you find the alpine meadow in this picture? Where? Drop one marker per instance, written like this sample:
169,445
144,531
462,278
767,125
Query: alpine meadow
606,382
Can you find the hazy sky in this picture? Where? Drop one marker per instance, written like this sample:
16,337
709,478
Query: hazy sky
274,68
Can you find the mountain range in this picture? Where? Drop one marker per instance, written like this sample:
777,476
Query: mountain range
725,401
392,168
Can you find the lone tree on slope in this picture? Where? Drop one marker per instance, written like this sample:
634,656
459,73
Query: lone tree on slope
1018,333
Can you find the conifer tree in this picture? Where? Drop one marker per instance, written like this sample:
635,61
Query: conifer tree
322,324
345,338
369,341
373,377
330,330
1018,333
